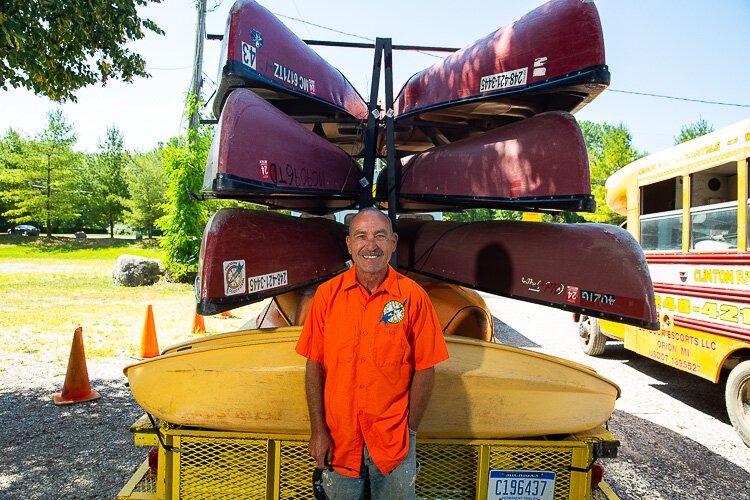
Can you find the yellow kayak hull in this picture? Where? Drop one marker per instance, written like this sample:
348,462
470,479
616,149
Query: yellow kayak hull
253,381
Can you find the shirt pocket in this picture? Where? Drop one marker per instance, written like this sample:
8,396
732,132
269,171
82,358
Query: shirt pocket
390,347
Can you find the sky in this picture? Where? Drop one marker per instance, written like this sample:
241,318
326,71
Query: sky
694,49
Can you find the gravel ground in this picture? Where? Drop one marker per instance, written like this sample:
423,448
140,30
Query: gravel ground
676,438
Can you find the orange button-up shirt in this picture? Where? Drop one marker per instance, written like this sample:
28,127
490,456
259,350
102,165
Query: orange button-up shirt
370,346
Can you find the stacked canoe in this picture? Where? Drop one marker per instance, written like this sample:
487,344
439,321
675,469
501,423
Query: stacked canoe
491,126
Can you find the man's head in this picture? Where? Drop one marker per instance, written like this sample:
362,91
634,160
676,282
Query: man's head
371,242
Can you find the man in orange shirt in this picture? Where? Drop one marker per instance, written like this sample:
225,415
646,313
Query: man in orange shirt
372,339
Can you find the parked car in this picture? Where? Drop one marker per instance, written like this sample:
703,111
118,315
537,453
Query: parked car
25,230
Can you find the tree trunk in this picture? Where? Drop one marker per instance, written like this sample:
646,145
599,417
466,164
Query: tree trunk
111,228
49,197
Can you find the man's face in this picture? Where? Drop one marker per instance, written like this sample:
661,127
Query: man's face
371,242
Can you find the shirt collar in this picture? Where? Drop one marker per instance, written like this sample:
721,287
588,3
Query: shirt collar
389,285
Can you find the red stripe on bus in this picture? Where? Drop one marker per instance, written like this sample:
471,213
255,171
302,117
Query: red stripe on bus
735,332
704,292
717,258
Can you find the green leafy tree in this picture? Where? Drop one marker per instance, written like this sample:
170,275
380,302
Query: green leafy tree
184,161
106,186
147,189
610,147
40,175
693,130
55,48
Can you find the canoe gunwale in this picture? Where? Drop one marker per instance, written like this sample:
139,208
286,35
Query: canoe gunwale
593,75
234,74
230,185
566,307
570,203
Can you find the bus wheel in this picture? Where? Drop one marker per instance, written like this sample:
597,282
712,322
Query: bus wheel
593,341
737,397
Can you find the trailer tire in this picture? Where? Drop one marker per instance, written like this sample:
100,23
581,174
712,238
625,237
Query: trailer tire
593,341
737,397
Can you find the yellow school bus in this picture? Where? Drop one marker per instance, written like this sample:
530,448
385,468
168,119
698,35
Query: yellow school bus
688,208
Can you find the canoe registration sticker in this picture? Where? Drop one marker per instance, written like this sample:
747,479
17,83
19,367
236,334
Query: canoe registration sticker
521,485
498,81
267,281
234,277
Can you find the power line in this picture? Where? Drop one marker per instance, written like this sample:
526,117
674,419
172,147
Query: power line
343,32
680,98
151,68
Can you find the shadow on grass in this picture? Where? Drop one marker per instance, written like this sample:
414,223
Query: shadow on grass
61,244
83,450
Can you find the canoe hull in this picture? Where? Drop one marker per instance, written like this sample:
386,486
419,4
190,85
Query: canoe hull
535,164
551,59
259,52
483,391
594,269
249,255
261,155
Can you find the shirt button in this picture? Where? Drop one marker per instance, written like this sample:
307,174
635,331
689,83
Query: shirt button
363,358
362,386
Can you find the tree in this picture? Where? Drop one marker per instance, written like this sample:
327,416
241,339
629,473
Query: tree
56,48
609,148
693,130
147,189
184,161
40,174
107,187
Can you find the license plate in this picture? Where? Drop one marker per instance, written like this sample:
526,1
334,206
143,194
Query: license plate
521,485
498,81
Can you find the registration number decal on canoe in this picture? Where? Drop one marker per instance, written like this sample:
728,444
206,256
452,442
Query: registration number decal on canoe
248,55
514,78
267,281
293,78
234,277
521,485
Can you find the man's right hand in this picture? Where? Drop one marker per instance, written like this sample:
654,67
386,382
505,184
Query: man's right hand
321,449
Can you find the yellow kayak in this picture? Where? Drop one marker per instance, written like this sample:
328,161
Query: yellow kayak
253,381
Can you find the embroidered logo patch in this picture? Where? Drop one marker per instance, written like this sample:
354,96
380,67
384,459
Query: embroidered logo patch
393,312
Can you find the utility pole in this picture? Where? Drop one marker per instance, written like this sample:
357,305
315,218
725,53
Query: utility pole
197,83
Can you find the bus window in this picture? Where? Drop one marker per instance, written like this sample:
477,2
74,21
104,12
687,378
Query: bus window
713,209
661,215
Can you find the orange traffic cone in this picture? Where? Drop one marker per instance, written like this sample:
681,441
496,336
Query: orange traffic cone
199,325
76,388
149,344
226,314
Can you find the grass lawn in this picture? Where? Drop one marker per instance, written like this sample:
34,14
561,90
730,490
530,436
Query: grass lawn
49,287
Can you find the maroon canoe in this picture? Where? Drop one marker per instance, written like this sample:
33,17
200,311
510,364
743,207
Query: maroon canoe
535,164
261,155
248,255
259,52
551,59
595,269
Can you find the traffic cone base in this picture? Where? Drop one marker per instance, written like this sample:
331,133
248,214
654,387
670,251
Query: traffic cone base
76,388
149,343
